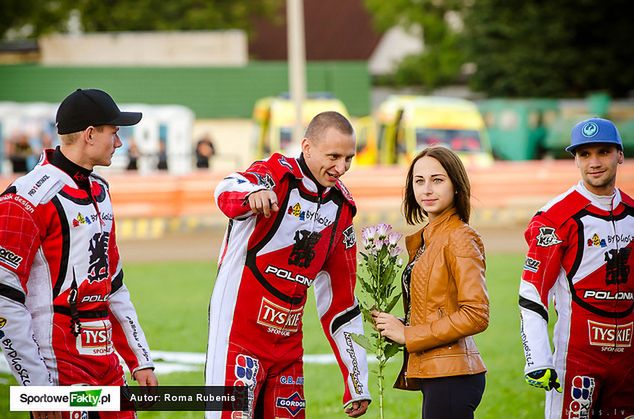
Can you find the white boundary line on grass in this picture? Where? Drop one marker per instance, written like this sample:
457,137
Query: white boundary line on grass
170,362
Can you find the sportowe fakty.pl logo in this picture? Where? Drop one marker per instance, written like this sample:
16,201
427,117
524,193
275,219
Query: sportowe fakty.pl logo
64,398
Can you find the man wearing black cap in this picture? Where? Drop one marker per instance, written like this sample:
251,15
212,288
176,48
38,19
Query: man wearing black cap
580,255
64,309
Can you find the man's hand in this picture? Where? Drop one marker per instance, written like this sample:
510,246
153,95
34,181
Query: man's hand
146,377
263,202
546,379
356,409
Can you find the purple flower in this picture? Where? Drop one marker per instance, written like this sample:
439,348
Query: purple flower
395,251
368,236
382,230
393,238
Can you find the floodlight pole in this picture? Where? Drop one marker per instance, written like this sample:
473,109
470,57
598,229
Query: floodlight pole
296,62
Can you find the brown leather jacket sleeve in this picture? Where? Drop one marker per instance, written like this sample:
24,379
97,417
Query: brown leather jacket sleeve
468,306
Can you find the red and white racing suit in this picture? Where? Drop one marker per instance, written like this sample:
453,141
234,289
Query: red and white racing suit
580,255
265,268
64,309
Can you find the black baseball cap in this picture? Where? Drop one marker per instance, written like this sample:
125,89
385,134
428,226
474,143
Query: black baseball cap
86,107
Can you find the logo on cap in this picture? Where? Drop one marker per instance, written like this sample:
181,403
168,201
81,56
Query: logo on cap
590,130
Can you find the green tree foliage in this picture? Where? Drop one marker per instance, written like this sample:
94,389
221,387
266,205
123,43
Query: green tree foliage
550,48
440,62
31,17
132,15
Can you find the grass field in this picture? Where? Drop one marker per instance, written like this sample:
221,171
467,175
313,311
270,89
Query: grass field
172,298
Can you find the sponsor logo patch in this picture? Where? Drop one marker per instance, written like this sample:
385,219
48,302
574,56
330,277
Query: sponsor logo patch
15,361
307,215
10,258
238,180
608,295
527,349
288,275
294,403
547,237
595,240
622,239
98,248
279,320
290,380
531,265
303,251
581,390
266,180
17,198
95,338
81,220
3,321
37,185
285,163
618,266
349,238
590,129
355,373
610,335
95,298
246,372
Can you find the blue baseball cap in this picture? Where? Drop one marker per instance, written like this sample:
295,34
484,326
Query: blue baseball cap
594,131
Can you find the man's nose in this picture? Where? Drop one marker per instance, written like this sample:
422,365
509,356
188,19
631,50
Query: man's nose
340,167
594,161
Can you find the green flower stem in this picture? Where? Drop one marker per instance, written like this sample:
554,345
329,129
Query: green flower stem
381,358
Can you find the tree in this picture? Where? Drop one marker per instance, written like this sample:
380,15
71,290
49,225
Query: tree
44,16
550,48
30,18
439,64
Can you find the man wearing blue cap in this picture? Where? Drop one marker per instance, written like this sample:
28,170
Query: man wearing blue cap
580,256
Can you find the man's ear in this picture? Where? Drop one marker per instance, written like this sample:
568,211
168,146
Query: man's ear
88,134
621,157
306,146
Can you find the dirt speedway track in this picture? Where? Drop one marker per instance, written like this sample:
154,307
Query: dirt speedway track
178,215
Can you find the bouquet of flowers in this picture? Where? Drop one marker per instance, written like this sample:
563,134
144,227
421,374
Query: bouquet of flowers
379,267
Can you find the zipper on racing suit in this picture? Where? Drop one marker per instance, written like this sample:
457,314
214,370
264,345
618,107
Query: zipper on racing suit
73,294
617,263
320,192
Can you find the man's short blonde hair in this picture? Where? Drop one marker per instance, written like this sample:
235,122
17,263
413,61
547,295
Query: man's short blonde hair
68,139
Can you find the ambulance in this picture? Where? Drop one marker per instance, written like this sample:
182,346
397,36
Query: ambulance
408,124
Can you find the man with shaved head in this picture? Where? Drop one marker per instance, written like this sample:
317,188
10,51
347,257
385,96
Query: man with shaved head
290,226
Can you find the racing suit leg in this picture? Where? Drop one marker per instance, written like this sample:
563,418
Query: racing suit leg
243,369
283,394
594,385
616,399
113,377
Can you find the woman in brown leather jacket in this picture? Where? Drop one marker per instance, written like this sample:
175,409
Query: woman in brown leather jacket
444,290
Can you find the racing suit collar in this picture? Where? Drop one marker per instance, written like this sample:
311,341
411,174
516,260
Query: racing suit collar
79,174
606,203
306,171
